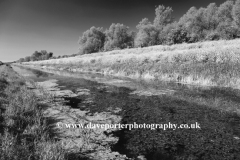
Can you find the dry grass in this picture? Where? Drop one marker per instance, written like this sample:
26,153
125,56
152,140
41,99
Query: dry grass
204,63
24,131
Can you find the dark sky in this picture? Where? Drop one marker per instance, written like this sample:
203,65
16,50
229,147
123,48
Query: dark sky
55,25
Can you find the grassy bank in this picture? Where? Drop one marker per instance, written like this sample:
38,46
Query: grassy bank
205,63
24,131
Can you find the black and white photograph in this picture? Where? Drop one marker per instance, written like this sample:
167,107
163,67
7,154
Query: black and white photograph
119,80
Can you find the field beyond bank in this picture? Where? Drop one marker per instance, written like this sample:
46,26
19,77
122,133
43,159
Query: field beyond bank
212,63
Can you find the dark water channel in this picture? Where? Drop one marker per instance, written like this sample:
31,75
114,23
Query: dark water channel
216,110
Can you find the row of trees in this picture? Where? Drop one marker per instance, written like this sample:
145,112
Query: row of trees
37,56
210,23
43,55
116,37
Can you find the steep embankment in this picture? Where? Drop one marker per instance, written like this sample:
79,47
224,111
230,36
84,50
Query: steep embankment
215,63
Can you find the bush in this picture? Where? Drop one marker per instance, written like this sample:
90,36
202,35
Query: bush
117,36
146,36
178,35
92,40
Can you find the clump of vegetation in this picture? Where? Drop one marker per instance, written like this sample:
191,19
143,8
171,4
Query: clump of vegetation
147,34
92,40
118,37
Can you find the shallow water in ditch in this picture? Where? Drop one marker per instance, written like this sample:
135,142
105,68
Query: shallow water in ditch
216,111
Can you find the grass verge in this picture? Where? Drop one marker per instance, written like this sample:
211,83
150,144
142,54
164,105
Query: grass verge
24,131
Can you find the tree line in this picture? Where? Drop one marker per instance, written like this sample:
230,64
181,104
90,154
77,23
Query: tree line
37,56
210,23
43,55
